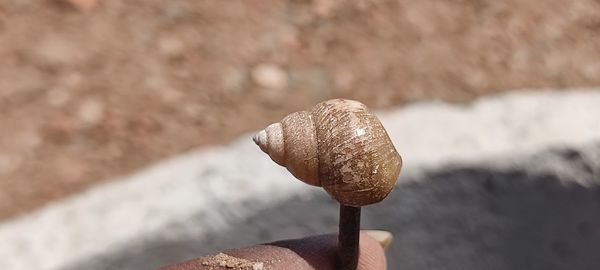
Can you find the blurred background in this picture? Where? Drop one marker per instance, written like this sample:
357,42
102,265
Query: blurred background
92,91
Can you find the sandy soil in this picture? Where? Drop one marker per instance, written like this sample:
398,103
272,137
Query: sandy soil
93,90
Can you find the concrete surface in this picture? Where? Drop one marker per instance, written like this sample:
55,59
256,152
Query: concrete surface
508,182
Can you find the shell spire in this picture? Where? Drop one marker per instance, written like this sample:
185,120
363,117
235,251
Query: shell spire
270,140
292,144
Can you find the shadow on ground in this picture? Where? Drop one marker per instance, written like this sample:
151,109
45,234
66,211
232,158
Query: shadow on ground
458,218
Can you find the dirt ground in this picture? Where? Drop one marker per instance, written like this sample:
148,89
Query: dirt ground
90,91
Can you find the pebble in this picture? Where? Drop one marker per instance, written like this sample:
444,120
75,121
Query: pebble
270,76
91,112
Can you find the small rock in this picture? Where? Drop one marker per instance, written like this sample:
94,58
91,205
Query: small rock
91,112
270,76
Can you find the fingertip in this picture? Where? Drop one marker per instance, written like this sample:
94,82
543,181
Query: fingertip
384,238
371,252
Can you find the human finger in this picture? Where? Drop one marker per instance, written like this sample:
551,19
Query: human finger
311,253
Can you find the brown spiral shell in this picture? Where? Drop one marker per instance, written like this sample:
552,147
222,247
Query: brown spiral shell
338,145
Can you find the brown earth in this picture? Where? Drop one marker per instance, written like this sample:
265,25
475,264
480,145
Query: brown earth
90,90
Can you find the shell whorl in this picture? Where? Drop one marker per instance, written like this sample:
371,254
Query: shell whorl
292,144
270,141
338,145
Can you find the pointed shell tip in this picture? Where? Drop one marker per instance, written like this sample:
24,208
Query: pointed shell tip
260,139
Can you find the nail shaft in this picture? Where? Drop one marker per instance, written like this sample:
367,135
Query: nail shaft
349,234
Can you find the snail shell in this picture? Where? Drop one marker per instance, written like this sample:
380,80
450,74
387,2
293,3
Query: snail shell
338,145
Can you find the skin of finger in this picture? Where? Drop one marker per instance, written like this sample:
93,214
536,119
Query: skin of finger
312,253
